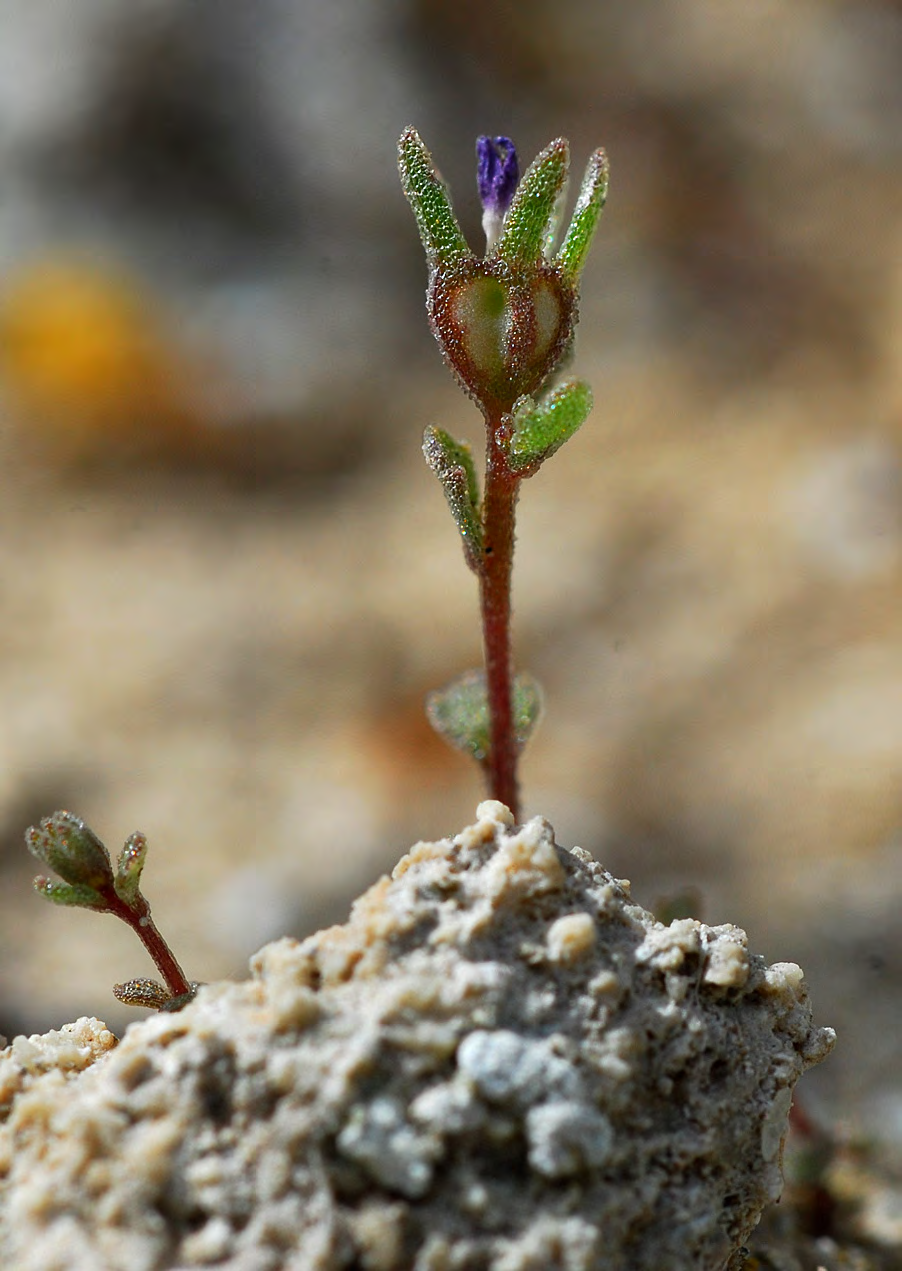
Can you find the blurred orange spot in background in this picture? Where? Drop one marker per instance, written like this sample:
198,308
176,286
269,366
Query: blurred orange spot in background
86,364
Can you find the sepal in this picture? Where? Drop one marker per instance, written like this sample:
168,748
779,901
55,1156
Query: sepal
586,215
532,211
439,229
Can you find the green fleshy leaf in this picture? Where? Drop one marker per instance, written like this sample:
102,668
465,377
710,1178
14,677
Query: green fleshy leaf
71,849
441,234
586,214
452,463
129,867
541,429
459,712
77,894
529,218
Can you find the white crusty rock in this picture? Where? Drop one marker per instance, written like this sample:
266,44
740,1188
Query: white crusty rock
500,1063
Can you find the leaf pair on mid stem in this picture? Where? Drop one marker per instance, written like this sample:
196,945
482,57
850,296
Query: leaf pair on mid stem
531,433
504,322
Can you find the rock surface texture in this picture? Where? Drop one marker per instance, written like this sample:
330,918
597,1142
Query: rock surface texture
500,1063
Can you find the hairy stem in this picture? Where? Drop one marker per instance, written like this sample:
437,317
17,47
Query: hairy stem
499,509
140,921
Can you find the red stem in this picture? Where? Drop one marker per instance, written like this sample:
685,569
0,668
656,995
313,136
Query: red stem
140,921
499,508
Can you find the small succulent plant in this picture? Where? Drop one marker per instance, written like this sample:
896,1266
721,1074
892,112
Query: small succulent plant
73,851
505,324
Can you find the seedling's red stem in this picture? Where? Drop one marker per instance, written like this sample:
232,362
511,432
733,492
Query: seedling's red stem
140,921
499,511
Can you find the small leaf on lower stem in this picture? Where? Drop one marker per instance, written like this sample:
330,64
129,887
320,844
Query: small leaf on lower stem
459,712
143,992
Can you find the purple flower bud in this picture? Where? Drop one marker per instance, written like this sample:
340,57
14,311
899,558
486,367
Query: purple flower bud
497,174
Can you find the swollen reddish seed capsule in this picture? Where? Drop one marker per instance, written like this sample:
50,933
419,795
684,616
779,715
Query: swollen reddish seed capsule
502,331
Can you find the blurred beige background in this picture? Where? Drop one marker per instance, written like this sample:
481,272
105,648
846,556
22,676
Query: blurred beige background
227,578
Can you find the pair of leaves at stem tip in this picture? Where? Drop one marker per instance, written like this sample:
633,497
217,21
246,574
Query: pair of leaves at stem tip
73,851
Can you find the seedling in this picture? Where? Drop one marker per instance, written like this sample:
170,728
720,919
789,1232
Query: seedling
505,324
74,852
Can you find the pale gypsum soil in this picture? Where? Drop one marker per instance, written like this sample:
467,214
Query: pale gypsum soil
500,1062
